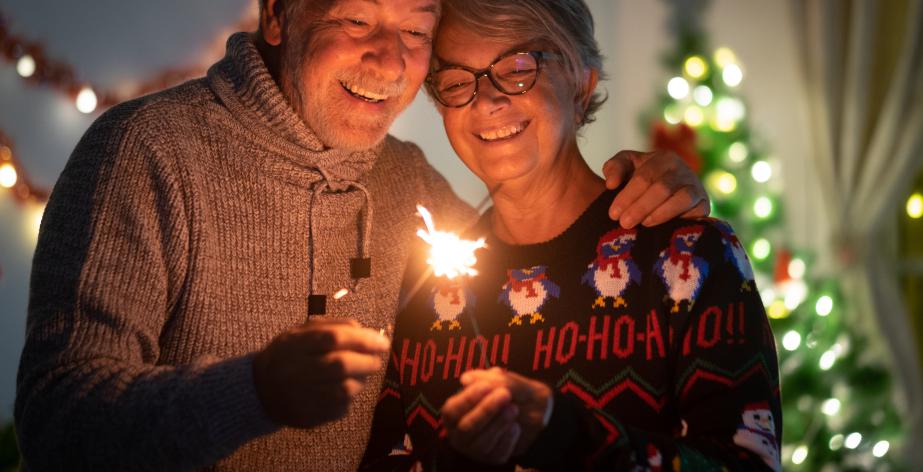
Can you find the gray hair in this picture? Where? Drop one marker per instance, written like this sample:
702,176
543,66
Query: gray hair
565,25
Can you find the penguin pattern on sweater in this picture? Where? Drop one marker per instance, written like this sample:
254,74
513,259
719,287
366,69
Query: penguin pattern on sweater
658,350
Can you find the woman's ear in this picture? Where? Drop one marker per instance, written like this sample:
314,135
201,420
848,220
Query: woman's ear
271,18
585,92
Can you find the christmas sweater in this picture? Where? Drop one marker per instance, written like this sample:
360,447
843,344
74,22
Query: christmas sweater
654,340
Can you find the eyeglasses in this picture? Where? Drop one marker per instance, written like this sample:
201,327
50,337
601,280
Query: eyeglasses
513,74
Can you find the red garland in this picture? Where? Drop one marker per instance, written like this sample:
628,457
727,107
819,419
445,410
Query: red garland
60,75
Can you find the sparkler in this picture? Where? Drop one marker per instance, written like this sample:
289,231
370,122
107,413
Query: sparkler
449,255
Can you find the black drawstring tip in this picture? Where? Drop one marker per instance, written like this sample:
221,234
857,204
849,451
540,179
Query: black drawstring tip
360,267
317,305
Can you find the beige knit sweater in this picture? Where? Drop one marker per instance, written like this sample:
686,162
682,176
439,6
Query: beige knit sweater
186,231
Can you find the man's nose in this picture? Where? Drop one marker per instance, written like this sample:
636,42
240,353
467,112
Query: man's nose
386,54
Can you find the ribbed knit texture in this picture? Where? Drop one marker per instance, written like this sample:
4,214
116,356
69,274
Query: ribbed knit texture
178,241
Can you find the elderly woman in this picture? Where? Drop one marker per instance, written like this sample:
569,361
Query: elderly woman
579,344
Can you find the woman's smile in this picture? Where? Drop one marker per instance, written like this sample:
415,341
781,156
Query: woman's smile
503,132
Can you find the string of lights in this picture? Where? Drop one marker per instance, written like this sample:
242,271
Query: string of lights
37,67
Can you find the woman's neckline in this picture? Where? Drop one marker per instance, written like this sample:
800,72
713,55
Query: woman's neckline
596,206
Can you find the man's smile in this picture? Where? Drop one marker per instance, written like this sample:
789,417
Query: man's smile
363,93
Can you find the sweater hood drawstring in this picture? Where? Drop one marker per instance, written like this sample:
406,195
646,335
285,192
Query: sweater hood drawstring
360,267
246,87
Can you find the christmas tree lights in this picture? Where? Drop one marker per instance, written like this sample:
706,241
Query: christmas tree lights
836,398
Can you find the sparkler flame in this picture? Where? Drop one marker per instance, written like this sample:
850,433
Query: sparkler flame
449,255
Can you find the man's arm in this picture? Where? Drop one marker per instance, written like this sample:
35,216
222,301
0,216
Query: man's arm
659,186
108,269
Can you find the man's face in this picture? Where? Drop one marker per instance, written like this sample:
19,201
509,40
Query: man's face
350,71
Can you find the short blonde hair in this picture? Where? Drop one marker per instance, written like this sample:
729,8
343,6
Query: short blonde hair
565,25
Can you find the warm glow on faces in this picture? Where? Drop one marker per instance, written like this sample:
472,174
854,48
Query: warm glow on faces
502,138
350,74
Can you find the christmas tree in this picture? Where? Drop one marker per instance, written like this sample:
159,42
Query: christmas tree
836,398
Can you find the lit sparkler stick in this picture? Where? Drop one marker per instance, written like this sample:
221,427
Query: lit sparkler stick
387,331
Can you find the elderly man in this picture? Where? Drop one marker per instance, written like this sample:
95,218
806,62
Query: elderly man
193,232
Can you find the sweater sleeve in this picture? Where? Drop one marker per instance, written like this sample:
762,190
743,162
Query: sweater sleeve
109,267
389,447
392,446
725,384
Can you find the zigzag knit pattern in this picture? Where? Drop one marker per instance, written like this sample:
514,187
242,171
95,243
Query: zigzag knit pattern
703,370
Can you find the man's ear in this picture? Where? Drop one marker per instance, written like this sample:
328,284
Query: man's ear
271,18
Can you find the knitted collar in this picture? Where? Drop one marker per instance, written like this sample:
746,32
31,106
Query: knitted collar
245,86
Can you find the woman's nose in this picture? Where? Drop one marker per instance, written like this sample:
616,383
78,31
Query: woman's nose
489,100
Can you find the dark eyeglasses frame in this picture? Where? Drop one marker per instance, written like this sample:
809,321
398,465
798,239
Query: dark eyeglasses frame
539,56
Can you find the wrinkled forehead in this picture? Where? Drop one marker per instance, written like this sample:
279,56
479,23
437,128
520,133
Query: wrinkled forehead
313,15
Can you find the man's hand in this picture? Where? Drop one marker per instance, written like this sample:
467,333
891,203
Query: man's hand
660,187
498,414
309,374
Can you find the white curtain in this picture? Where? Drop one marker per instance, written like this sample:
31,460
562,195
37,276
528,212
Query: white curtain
863,76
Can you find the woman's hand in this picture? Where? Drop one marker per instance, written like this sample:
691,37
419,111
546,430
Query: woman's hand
660,187
496,415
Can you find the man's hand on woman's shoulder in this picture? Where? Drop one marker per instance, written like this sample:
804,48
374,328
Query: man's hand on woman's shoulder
660,187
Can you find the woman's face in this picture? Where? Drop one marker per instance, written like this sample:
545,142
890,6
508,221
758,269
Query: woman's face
504,138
